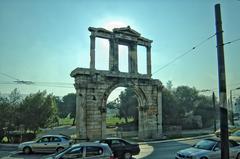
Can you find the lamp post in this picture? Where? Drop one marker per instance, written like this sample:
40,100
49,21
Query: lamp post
231,105
214,107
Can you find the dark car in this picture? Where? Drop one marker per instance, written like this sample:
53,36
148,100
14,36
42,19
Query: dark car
121,148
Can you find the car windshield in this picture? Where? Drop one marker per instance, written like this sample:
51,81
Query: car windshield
205,144
237,133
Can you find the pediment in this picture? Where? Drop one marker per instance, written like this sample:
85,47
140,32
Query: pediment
126,30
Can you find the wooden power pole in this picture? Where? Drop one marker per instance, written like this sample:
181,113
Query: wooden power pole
222,85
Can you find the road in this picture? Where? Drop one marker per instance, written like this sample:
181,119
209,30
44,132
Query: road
153,150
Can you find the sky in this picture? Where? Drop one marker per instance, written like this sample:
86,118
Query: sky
43,41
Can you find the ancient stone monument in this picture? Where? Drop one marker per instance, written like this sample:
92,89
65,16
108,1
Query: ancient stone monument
94,86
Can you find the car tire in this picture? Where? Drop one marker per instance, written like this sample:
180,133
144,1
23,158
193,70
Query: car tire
59,149
27,150
127,155
238,156
203,158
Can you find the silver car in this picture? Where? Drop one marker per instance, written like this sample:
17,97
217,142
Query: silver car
89,150
46,144
209,149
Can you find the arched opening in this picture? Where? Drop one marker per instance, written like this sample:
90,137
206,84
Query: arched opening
122,113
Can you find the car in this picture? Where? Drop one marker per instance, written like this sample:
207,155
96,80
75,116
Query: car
209,149
89,150
46,144
235,136
121,148
231,129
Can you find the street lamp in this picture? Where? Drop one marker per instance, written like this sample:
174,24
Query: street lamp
231,105
214,107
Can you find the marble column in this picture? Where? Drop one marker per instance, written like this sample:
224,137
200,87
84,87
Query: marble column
132,58
115,56
159,122
149,67
81,130
111,55
92,51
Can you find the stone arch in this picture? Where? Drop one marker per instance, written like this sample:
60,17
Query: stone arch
94,86
141,98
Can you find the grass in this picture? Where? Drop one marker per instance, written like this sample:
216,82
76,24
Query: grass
112,121
65,121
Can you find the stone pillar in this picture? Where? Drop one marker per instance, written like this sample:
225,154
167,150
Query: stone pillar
81,130
159,124
92,51
111,55
132,58
149,67
115,56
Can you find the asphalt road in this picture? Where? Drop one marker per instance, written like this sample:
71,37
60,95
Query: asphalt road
152,150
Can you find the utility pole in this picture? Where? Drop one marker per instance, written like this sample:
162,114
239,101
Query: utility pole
214,108
231,106
222,85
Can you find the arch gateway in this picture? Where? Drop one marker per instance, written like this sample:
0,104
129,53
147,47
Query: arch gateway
94,86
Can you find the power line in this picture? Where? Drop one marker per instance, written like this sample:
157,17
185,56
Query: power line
14,78
231,42
185,53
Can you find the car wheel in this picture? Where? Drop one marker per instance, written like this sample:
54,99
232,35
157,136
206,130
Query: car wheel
127,155
203,158
238,156
27,150
59,149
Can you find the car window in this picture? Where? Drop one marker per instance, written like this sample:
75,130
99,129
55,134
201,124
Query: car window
44,139
93,151
237,133
233,143
73,153
56,139
205,144
117,142
65,138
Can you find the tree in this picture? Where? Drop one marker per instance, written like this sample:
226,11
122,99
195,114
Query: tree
172,113
8,107
67,106
186,98
38,110
128,105
204,108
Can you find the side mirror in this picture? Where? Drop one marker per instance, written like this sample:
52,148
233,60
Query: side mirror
216,149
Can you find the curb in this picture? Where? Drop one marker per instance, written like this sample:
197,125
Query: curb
180,139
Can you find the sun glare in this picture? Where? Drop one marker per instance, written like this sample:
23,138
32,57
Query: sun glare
114,24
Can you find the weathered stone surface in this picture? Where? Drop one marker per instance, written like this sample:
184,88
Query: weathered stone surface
94,86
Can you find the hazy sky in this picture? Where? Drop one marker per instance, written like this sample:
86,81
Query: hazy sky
43,41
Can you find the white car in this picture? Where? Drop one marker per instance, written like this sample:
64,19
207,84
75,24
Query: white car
209,149
88,150
46,144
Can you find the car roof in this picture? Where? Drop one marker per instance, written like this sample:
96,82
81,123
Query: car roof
89,144
54,136
113,138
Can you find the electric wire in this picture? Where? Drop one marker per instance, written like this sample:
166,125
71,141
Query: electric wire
185,53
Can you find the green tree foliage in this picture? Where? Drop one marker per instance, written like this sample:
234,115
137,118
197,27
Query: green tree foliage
67,106
38,110
186,98
8,107
183,100
172,113
204,108
128,105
